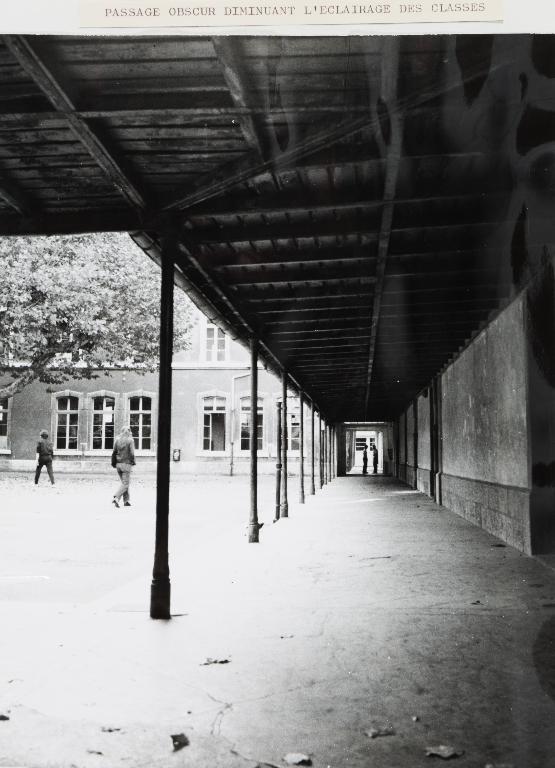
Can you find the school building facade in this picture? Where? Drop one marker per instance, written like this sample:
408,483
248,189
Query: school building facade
210,422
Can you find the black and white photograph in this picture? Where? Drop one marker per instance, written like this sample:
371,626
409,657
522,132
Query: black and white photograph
277,398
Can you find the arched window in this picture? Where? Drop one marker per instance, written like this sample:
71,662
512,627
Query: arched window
140,421
246,424
103,422
67,422
213,432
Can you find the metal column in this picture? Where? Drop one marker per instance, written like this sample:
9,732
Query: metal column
160,589
320,458
325,458
284,508
278,461
333,457
253,519
312,486
301,448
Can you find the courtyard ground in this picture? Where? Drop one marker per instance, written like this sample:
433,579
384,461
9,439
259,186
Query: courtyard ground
369,607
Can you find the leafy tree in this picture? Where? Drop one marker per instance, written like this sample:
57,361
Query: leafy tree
72,305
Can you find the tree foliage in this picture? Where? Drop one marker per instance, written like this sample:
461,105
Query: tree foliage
72,305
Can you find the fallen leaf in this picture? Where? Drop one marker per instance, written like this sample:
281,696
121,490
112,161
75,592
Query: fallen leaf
297,758
214,661
4,717
415,718
93,752
286,637
444,751
106,729
477,602
179,741
499,546
382,730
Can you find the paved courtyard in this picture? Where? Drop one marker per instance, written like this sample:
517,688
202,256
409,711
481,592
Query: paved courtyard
369,607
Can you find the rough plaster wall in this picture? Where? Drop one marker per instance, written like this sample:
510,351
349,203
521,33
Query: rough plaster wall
410,435
424,446
484,405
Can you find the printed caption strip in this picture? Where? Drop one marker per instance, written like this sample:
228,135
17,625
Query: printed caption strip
103,13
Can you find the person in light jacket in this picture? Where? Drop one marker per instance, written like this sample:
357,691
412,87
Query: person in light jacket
123,458
45,455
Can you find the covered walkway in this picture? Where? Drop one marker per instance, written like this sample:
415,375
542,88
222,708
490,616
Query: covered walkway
370,606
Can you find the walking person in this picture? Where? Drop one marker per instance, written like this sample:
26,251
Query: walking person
123,458
45,455
365,460
375,458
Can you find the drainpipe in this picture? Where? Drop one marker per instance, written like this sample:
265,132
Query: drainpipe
232,426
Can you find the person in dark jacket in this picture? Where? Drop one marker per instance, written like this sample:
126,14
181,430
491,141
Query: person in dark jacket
375,458
123,458
45,455
365,459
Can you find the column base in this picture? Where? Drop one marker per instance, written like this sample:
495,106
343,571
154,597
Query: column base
253,533
284,510
160,591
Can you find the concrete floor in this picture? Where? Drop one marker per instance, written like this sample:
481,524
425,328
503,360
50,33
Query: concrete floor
369,606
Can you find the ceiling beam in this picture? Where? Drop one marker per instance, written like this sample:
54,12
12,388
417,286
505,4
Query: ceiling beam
318,273
33,65
299,204
249,166
269,289
290,257
45,223
14,197
227,51
347,227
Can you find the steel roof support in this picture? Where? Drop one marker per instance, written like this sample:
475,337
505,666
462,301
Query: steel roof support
284,506
45,80
301,447
254,526
236,78
160,588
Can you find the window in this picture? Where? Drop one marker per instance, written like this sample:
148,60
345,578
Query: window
4,408
103,422
140,421
67,422
293,431
215,344
246,424
213,435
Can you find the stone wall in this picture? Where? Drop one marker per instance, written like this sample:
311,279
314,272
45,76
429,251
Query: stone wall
485,475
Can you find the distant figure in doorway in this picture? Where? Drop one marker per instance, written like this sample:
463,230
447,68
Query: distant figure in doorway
123,458
45,455
365,460
375,458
